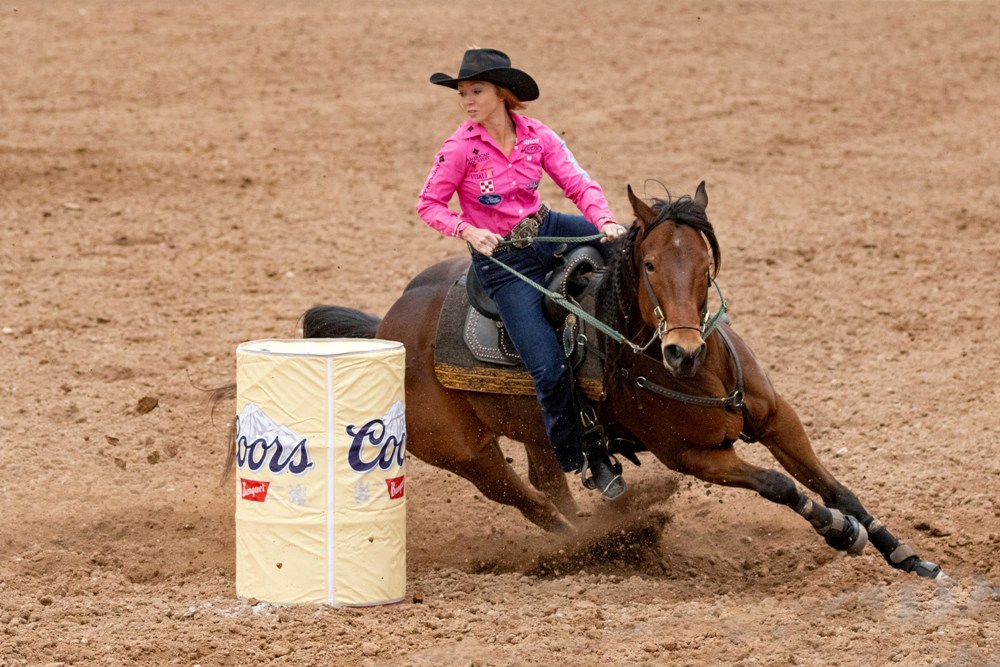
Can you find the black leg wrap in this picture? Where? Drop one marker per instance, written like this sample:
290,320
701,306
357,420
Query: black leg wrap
848,503
841,531
899,555
881,538
852,536
819,517
905,559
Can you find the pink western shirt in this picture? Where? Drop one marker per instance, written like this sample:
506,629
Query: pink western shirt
496,192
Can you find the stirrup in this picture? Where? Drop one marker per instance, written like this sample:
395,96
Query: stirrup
592,436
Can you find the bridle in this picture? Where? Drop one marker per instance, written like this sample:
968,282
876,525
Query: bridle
708,323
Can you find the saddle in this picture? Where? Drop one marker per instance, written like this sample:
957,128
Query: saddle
473,351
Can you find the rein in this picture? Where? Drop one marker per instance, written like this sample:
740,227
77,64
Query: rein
551,239
560,298
733,400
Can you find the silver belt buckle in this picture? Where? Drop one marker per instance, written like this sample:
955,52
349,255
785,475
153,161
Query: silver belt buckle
525,230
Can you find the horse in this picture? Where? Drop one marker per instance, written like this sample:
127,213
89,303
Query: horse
687,400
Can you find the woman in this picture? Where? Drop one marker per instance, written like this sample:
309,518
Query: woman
494,162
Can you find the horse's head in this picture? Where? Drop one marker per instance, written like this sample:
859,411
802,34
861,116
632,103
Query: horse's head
675,255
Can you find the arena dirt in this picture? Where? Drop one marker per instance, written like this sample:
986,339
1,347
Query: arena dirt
176,178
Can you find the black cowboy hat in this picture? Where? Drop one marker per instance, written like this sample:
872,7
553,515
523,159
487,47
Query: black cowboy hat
492,66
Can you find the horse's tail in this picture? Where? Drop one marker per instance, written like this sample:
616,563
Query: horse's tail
218,395
339,322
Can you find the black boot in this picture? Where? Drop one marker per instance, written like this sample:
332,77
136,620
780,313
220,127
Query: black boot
604,473
601,471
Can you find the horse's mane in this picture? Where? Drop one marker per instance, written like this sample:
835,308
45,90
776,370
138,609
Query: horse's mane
616,295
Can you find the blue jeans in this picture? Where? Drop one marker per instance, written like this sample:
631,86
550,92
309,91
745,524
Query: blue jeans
521,308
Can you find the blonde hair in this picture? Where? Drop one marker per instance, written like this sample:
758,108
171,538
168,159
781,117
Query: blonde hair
510,100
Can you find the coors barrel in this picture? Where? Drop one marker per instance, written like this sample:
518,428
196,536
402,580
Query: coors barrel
320,447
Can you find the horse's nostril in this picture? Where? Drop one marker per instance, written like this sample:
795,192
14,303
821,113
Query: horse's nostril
675,352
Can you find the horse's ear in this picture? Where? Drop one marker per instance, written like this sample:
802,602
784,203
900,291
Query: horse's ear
701,195
643,213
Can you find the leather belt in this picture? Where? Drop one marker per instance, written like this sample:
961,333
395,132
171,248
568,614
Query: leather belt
527,229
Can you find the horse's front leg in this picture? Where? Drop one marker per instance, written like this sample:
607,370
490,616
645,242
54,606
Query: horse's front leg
723,466
786,439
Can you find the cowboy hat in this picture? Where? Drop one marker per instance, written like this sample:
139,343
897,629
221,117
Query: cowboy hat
492,66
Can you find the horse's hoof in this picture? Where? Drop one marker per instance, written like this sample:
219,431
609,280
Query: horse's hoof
563,526
929,570
944,580
851,539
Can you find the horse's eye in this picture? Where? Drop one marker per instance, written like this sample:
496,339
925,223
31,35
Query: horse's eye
649,267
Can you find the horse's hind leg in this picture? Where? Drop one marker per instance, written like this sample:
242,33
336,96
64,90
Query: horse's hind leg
443,431
544,471
487,468
545,474
787,441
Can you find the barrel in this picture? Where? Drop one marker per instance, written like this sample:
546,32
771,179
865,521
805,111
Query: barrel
320,448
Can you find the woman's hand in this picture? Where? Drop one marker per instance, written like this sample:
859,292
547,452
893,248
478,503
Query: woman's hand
482,241
612,232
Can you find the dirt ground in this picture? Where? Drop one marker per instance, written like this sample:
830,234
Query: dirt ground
177,178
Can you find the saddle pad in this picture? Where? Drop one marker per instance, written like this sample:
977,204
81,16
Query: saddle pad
497,370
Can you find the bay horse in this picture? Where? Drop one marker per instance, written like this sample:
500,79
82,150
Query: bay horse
687,400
